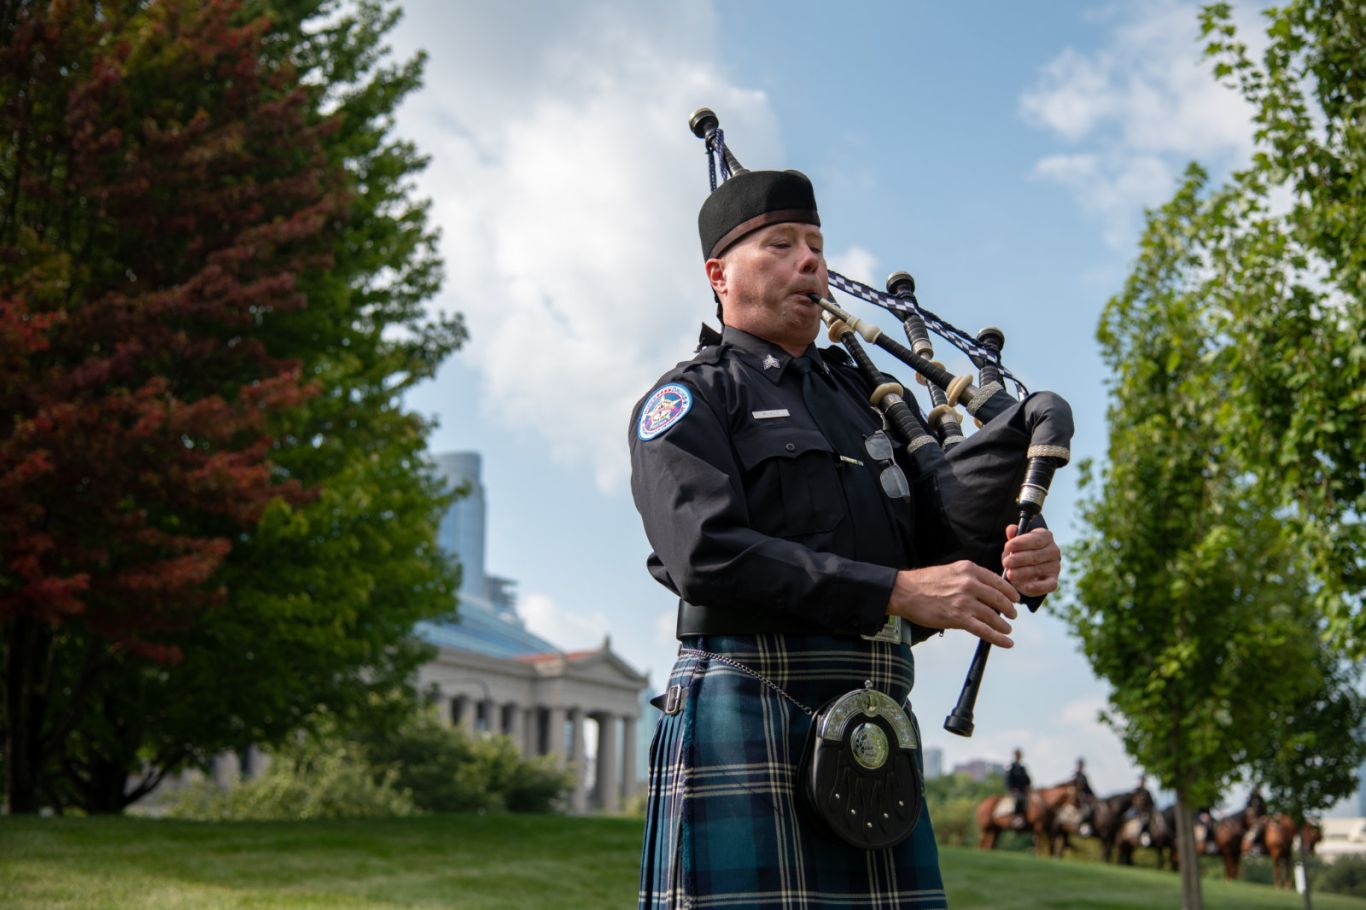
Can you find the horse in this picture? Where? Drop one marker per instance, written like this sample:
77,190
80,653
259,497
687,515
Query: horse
1310,835
1230,833
1149,829
1280,846
1281,840
997,813
1108,815
1202,829
1070,816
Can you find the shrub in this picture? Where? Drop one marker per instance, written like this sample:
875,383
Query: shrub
399,761
955,821
437,764
1344,875
446,770
309,783
953,799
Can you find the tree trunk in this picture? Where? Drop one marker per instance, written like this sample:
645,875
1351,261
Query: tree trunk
1304,864
26,646
1191,898
104,791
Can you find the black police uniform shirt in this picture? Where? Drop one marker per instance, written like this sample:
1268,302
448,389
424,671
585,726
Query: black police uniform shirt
743,497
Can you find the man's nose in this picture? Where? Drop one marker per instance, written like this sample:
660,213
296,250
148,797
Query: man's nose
811,260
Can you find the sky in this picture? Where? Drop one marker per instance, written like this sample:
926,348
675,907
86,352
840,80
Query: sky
1003,153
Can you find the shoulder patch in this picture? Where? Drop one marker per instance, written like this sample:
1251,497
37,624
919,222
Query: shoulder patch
664,408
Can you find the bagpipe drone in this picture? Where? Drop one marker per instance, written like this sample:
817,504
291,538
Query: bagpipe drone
981,482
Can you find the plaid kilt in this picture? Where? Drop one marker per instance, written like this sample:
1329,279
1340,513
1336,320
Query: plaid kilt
726,822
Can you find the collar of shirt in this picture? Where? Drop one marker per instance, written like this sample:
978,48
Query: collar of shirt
755,350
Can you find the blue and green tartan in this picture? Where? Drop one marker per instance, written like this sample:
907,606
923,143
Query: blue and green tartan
726,824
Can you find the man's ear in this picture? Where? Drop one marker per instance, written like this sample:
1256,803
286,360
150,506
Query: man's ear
716,275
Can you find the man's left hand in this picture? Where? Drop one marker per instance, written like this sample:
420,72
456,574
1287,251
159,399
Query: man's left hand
1032,561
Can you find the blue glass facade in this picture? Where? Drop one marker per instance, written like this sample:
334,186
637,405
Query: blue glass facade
487,620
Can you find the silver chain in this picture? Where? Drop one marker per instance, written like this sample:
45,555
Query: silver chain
735,664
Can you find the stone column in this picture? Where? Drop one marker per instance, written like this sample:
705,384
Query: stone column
531,732
260,761
555,735
227,769
630,783
469,714
609,796
514,729
578,797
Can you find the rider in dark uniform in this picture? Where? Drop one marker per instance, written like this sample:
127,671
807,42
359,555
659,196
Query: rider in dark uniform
1254,817
1079,780
1086,797
1017,782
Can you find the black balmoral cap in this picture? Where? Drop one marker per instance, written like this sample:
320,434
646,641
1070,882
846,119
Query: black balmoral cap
751,200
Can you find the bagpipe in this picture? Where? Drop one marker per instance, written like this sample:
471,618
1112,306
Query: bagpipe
973,485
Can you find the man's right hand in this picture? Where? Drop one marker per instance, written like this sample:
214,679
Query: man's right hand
960,595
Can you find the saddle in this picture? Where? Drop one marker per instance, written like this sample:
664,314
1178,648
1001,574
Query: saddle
1069,815
1004,808
1132,830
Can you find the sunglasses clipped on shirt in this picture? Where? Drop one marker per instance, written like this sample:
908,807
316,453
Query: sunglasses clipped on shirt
892,478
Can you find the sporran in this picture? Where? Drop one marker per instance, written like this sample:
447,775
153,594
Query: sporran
859,769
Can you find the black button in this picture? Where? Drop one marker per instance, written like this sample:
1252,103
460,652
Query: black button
790,447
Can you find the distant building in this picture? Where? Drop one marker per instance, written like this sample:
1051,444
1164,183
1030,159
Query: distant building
493,674
1361,790
979,769
934,762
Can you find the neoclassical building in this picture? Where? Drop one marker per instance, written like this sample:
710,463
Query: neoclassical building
491,674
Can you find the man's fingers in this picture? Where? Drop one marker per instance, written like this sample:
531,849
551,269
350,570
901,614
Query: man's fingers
999,594
1018,559
1033,539
988,634
993,619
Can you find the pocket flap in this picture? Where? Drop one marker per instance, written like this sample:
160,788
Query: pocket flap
759,443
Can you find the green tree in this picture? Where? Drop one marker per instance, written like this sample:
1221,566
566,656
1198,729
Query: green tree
1188,601
216,514
1225,545
1283,253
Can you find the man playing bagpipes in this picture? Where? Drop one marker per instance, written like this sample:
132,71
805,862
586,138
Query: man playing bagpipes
777,510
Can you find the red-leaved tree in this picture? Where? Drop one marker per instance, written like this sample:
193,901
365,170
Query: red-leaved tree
164,192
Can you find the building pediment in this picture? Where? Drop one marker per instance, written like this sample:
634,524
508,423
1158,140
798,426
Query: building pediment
599,665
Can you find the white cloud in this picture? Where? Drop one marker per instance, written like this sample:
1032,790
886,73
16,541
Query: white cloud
1114,188
666,624
1136,110
856,263
566,629
564,181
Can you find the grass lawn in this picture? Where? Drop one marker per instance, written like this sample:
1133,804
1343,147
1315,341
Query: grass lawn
469,862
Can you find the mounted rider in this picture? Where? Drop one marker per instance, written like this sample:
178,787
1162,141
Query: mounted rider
1086,797
1017,782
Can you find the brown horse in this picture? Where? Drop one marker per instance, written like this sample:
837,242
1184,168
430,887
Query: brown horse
1280,846
997,813
1279,837
1069,817
1229,836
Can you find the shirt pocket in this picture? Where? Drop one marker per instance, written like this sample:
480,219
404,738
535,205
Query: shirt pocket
792,485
